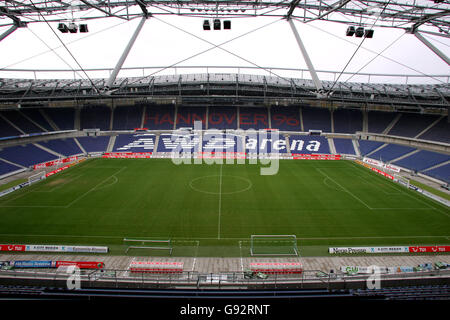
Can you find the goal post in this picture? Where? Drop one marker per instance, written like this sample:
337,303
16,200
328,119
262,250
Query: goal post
402,180
148,244
273,245
36,177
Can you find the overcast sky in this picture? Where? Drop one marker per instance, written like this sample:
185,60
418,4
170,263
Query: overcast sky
274,45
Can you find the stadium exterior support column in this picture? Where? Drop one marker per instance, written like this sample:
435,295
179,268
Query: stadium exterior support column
438,52
125,53
311,69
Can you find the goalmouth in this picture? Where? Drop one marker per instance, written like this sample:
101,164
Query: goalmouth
148,244
36,177
401,180
273,245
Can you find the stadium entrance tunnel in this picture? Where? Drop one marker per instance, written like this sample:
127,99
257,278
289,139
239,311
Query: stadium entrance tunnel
220,184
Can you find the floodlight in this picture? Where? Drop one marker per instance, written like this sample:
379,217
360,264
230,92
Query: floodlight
350,31
63,28
206,25
84,28
359,32
368,33
226,24
217,24
73,28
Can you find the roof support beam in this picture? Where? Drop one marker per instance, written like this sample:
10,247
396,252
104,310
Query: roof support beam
125,53
438,52
427,18
292,7
311,69
8,32
334,7
102,10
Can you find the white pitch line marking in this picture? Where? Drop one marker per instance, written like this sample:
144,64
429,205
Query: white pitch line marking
324,174
90,190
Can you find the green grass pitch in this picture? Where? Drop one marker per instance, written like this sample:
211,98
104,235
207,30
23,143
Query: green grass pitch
212,210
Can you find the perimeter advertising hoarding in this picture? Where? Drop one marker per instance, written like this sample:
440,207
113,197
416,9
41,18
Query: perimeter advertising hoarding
54,162
297,156
367,270
381,164
398,249
57,264
81,264
127,155
33,264
12,247
58,248
52,248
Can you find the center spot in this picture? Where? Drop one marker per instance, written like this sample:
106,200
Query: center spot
214,183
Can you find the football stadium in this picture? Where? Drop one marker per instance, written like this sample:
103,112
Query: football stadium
230,181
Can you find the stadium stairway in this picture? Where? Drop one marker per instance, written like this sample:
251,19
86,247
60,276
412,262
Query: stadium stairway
392,124
156,142
376,149
59,155
437,166
49,120
12,124
34,122
112,142
356,147
441,172
405,156
13,163
332,146
79,145
429,127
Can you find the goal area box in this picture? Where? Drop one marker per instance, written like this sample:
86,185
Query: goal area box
273,245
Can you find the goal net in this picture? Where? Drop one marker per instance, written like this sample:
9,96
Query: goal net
36,177
401,180
148,244
270,245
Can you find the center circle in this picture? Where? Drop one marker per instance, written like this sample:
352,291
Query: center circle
224,184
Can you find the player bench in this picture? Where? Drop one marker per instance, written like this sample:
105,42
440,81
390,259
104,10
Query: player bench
277,267
156,267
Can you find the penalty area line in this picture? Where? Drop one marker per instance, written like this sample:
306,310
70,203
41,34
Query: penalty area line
90,190
343,189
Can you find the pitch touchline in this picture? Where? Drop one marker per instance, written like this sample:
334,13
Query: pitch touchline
197,239
398,188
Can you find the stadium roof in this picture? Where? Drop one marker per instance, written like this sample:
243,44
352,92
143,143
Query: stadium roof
394,13
425,19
